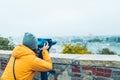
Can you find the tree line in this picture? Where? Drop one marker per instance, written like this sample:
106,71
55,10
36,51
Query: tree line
6,43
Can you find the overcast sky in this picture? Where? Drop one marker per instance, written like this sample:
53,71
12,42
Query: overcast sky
60,17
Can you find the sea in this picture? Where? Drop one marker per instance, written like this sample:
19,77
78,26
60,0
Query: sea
92,43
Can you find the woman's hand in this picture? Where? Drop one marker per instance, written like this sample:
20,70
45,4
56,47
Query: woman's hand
46,46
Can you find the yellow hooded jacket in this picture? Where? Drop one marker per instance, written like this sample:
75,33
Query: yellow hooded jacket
26,64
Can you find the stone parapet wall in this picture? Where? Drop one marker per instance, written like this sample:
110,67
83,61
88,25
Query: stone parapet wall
82,67
77,67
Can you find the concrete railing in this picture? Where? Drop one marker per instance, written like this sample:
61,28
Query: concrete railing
77,67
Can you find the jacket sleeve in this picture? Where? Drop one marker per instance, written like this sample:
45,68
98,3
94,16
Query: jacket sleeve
44,64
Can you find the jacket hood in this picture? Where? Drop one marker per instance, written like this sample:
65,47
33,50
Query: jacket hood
21,51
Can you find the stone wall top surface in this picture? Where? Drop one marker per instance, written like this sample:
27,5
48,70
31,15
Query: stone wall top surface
5,52
87,57
94,57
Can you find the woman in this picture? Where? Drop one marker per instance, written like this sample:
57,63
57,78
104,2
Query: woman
24,61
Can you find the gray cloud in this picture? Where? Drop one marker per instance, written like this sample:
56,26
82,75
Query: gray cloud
59,18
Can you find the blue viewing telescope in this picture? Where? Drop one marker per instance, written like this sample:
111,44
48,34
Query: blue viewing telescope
41,42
